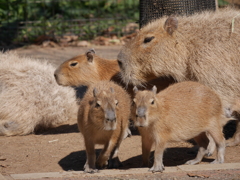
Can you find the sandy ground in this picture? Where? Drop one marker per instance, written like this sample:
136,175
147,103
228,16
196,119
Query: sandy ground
62,148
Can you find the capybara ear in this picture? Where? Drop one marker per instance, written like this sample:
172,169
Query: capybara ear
171,25
90,53
95,92
154,89
135,89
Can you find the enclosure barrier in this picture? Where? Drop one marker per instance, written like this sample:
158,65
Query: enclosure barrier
153,9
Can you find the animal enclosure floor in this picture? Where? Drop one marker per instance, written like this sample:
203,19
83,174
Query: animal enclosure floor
62,148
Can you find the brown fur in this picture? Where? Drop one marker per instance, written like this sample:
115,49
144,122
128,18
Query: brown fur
89,68
99,125
202,48
180,112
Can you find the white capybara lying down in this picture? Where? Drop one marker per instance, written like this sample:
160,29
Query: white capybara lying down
30,98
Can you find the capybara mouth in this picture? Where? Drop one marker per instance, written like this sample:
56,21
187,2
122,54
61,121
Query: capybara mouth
110,125
141,122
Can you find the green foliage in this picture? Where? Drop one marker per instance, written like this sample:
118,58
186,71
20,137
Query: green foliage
222,3
28,19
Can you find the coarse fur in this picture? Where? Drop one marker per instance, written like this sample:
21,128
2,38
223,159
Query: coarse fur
204,47
180,112
88,68
103,119
30,98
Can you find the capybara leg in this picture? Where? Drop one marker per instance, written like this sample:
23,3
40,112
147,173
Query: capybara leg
211,145
105,154
220,143
146,149
235,140
158,157
200,154
114,161
127,133
202,141
89,166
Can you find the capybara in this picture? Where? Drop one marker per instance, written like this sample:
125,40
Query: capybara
30,98
89,68
182,111
204,47
103,119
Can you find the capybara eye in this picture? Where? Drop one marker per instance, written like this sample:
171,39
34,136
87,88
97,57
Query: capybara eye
148,39
152,102
119,63
97,105
73,64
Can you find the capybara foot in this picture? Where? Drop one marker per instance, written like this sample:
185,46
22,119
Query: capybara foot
87,169
157,168
233,141
216,162
192,162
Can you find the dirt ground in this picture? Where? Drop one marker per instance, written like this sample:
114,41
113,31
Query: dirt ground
62,148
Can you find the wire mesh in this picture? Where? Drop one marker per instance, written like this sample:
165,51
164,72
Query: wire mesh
153,9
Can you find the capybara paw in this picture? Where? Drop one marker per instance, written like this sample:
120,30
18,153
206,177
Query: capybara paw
87,169
209,151
101,164
232,142
216,162
90,170
157,168
208,154
114,163
192,162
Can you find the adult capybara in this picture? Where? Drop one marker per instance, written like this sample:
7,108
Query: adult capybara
182,111
89,68
30,98
204,47
103,119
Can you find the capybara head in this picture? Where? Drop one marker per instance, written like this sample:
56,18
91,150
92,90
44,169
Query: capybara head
143,58
144,104
103,108
76,71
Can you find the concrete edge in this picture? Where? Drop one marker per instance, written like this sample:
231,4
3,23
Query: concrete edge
116,172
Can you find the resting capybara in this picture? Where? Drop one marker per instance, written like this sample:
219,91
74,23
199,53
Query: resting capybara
103,119
89,68
204,47
30,98
182,111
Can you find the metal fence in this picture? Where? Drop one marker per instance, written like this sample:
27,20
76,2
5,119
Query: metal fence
153,9
25,20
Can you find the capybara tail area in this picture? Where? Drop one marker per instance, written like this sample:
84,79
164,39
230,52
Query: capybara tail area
11,128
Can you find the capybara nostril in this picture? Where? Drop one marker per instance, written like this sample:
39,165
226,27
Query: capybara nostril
111,120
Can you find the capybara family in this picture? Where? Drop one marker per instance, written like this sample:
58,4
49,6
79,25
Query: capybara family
103,119
203,47
30,98
88,68
180,112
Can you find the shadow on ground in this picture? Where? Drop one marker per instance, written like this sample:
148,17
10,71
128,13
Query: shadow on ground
172,157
